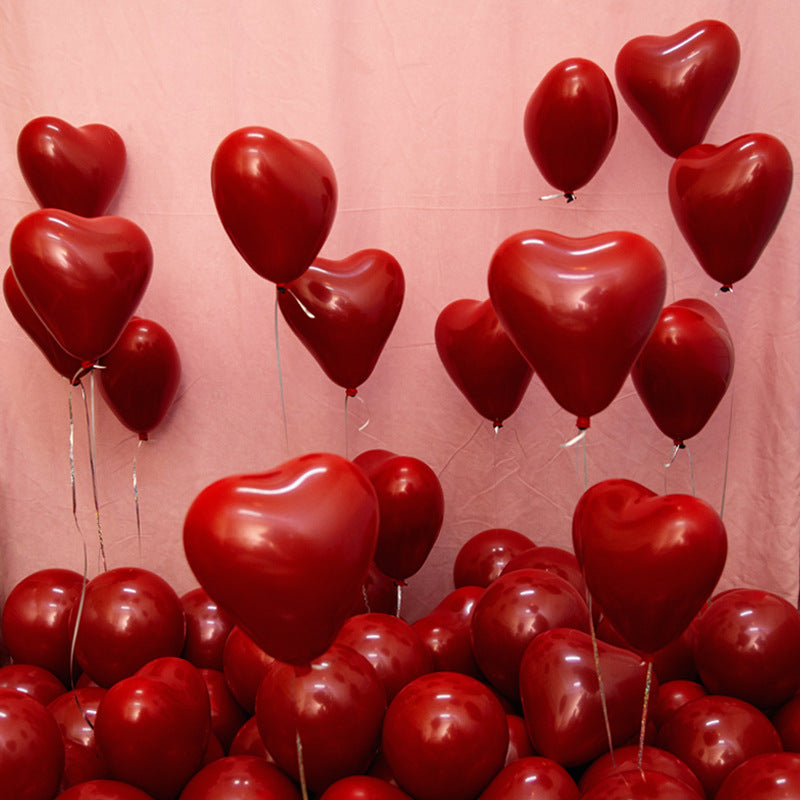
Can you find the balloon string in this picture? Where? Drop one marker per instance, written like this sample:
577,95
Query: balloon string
365,596
346,429
136,503
399,606
603,702
645,704
280,374
350,394
673,455
730,422
300,766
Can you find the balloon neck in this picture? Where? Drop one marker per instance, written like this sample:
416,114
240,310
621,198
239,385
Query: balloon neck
679,444
726,288
497,424
351,392
281,287
583,423
85,368
570,197
143,436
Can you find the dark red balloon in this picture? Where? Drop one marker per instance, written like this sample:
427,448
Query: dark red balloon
393,647
61,361
445,737
685,368
83,277
130,616
561,697
248,742
276,199
340,692
483,557
207,629
747,645
240,778
787,722
676,84
570,123
81,764
153,727
557,560
104,790
411,503
227,716
31,749
650,561
519,745
140,376
75,712
728,201
641,785
75,169
589,302
379,594
285,552
34,681
771,776
671,696
244,665
531,778
512,612
344,311
712,735
363,787
481,359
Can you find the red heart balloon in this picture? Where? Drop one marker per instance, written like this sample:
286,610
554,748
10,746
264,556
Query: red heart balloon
276,199
83,277
561,695
728,201
481,359
285,552
650,561
343,312
74,169
140,375
685,368
411,504
579,309
570,123
676,84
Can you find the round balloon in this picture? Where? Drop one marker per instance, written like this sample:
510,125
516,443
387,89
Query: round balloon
240,778
363,787
207,629
104,790
771,776
482,558
531,778
244,665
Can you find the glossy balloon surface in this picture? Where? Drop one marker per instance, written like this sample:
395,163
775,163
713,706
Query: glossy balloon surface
244,665
240,778
635,785
75,712
557,560
482,558
207,629
772,776
104,790
530,778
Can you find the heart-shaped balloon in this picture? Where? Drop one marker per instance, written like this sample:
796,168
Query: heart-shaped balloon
61,361
83,277
140,375
481,359
650,561
685,368
676,84
276,199
74,169
579,309
343,312
285,552
728,201
570,123
561,697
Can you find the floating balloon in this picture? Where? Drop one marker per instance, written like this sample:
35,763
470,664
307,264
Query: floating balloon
75,712
363,787
83,277
529,778
140,375
34,681
227,716
671,696
676,84
104,790
482,558
481,359
728,201
570,123
579,310
344,311
285,552
207,629
74,169
685,368
244,665
640,785
787,722
276,199
242,778
649,561
771,776
411,505
557,560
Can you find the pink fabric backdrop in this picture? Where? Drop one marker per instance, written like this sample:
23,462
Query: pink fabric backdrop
419,107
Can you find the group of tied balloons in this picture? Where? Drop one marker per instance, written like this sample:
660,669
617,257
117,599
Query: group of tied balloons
291,665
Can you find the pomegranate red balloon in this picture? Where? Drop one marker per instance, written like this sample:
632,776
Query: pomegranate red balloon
481,359
519,745
771,776
75,169
685,368
344,311
140,376
728,200
557,560
570,123
787,722
363,787
153,727
511,613
641,785
676,84
671,696
103,789
130,616
411,503
83,277
561,697
61,361
747,645
227,716
35,619
650,561
34,681
207,629
276,199
240,778
248,742
589,302
75,712
285,552
340,692
244,665
445,737
379,594
32,753
482,558
531,778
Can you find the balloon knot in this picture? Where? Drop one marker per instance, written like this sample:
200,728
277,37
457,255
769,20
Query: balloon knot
583,423
281,287
143,436
726,288
570,196
351,392
497,425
